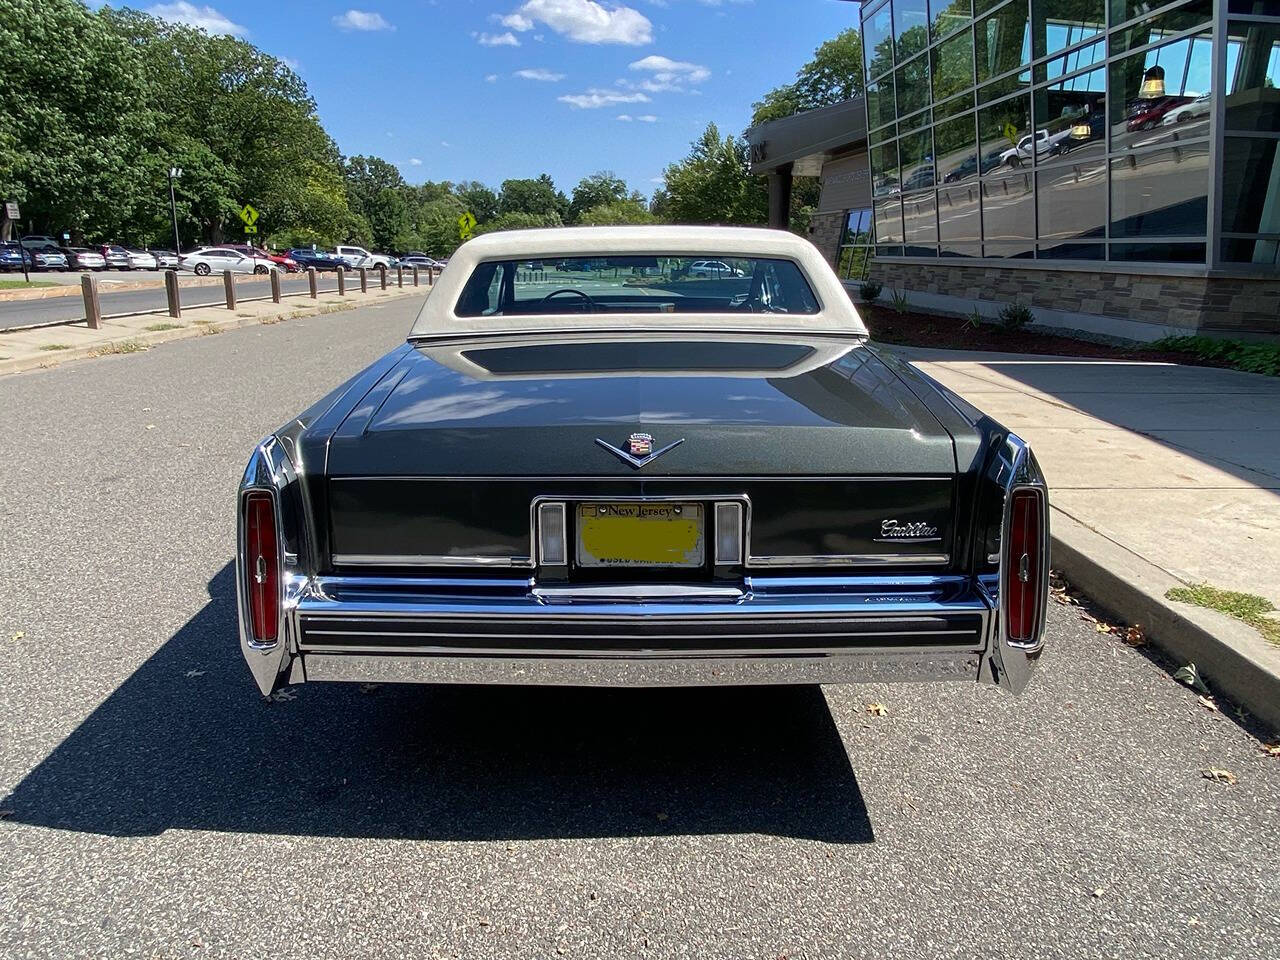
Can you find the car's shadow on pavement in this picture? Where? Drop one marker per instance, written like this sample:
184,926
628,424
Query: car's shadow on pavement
187,742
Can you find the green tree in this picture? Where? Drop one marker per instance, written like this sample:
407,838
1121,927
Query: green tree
599,189
479,199
538,196
617,212
517,220
713,184
75,119
834,74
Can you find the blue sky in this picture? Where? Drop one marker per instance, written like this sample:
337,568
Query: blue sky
492,89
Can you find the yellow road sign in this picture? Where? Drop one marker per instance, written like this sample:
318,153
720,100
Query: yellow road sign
466,224
248,215
1011,133
249,228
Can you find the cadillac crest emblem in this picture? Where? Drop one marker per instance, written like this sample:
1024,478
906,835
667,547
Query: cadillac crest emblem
640,444
638,450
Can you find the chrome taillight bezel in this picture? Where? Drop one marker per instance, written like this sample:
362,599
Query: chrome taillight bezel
247,571
1023,478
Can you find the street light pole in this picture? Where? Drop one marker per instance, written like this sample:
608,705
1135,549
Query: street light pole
174,173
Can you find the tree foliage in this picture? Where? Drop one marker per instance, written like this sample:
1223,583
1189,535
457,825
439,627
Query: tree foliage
834,74
713,184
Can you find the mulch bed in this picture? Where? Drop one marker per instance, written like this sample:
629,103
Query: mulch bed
955,333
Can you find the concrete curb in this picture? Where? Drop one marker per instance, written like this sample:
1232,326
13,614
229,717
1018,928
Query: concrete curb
151,338
1231,656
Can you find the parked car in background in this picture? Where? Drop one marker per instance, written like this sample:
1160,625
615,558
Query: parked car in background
10,256
47,258
38,241
360,257
116,256
166,259
706,269
142,260
320,259
208,260
82,258
282,260
419,260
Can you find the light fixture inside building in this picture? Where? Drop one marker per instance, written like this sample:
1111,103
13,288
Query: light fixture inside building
1152,83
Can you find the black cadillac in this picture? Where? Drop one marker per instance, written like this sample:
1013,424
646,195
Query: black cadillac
590,464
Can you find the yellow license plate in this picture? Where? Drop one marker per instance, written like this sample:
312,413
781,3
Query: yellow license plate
640,535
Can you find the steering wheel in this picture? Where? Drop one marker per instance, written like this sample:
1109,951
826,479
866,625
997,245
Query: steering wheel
591,304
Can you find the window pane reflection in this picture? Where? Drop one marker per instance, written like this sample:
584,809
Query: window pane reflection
1161,194
1071,118
888,220
919,216
884,169
1061,23
1072,201
1008,215
1250,186
877,41
913,86
1162,94
958,220
957,151
950,15
910,27
953,66
1003,130
1002,42
1155,29
881,107
917,160
1253,71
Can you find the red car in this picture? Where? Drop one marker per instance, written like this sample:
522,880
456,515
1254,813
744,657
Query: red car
287,263
1145,114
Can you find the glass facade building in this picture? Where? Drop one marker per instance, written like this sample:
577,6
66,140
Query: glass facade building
1122,131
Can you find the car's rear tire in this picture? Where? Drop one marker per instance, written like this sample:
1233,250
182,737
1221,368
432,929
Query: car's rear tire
201,269
260,269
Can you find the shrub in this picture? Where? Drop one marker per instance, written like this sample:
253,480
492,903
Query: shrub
1243,355
870,291
1015,316
899,301
973,319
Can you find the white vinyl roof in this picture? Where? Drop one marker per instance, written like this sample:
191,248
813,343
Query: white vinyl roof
837,313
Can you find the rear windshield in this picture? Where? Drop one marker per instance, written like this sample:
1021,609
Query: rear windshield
635,284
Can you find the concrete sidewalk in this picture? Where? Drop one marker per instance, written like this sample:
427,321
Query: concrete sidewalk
1162,474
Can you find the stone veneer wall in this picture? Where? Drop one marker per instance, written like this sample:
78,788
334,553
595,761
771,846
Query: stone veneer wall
825,230
1227,305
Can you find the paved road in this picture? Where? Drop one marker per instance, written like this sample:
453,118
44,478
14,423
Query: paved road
157,804
15,313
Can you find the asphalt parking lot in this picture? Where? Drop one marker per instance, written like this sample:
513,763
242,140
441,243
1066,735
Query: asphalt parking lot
154,804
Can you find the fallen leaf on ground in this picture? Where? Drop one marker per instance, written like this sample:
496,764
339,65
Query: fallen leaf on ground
1219,776
877,709
1135,636
18,636
1099,891
1190,675
1104,628
1207,703
1088,617
1272,749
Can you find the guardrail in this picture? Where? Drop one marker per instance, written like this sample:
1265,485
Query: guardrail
93,315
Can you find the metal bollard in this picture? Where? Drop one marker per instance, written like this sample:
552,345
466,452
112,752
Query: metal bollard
311,282
382,275
342,282
399,276
364,279
275,285
171,290
415,276
229,286
92,306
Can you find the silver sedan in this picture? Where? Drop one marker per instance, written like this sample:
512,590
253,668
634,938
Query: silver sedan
216,259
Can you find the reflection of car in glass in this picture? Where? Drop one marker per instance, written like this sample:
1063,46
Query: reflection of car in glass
1045,144
1145,114
1197,108
651,483
702,269
965,168
920,177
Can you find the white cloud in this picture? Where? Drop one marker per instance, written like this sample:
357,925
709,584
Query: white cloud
507,39
596,98
361,20
490,78
625,117
538,73
206,18
666,75
445,143
415,162
583,21
647,118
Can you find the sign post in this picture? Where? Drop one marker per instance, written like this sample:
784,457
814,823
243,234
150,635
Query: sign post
12,212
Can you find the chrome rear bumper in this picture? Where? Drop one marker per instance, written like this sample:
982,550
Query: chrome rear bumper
767,630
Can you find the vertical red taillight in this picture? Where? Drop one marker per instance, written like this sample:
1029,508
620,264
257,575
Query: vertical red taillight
1024,556
262,565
